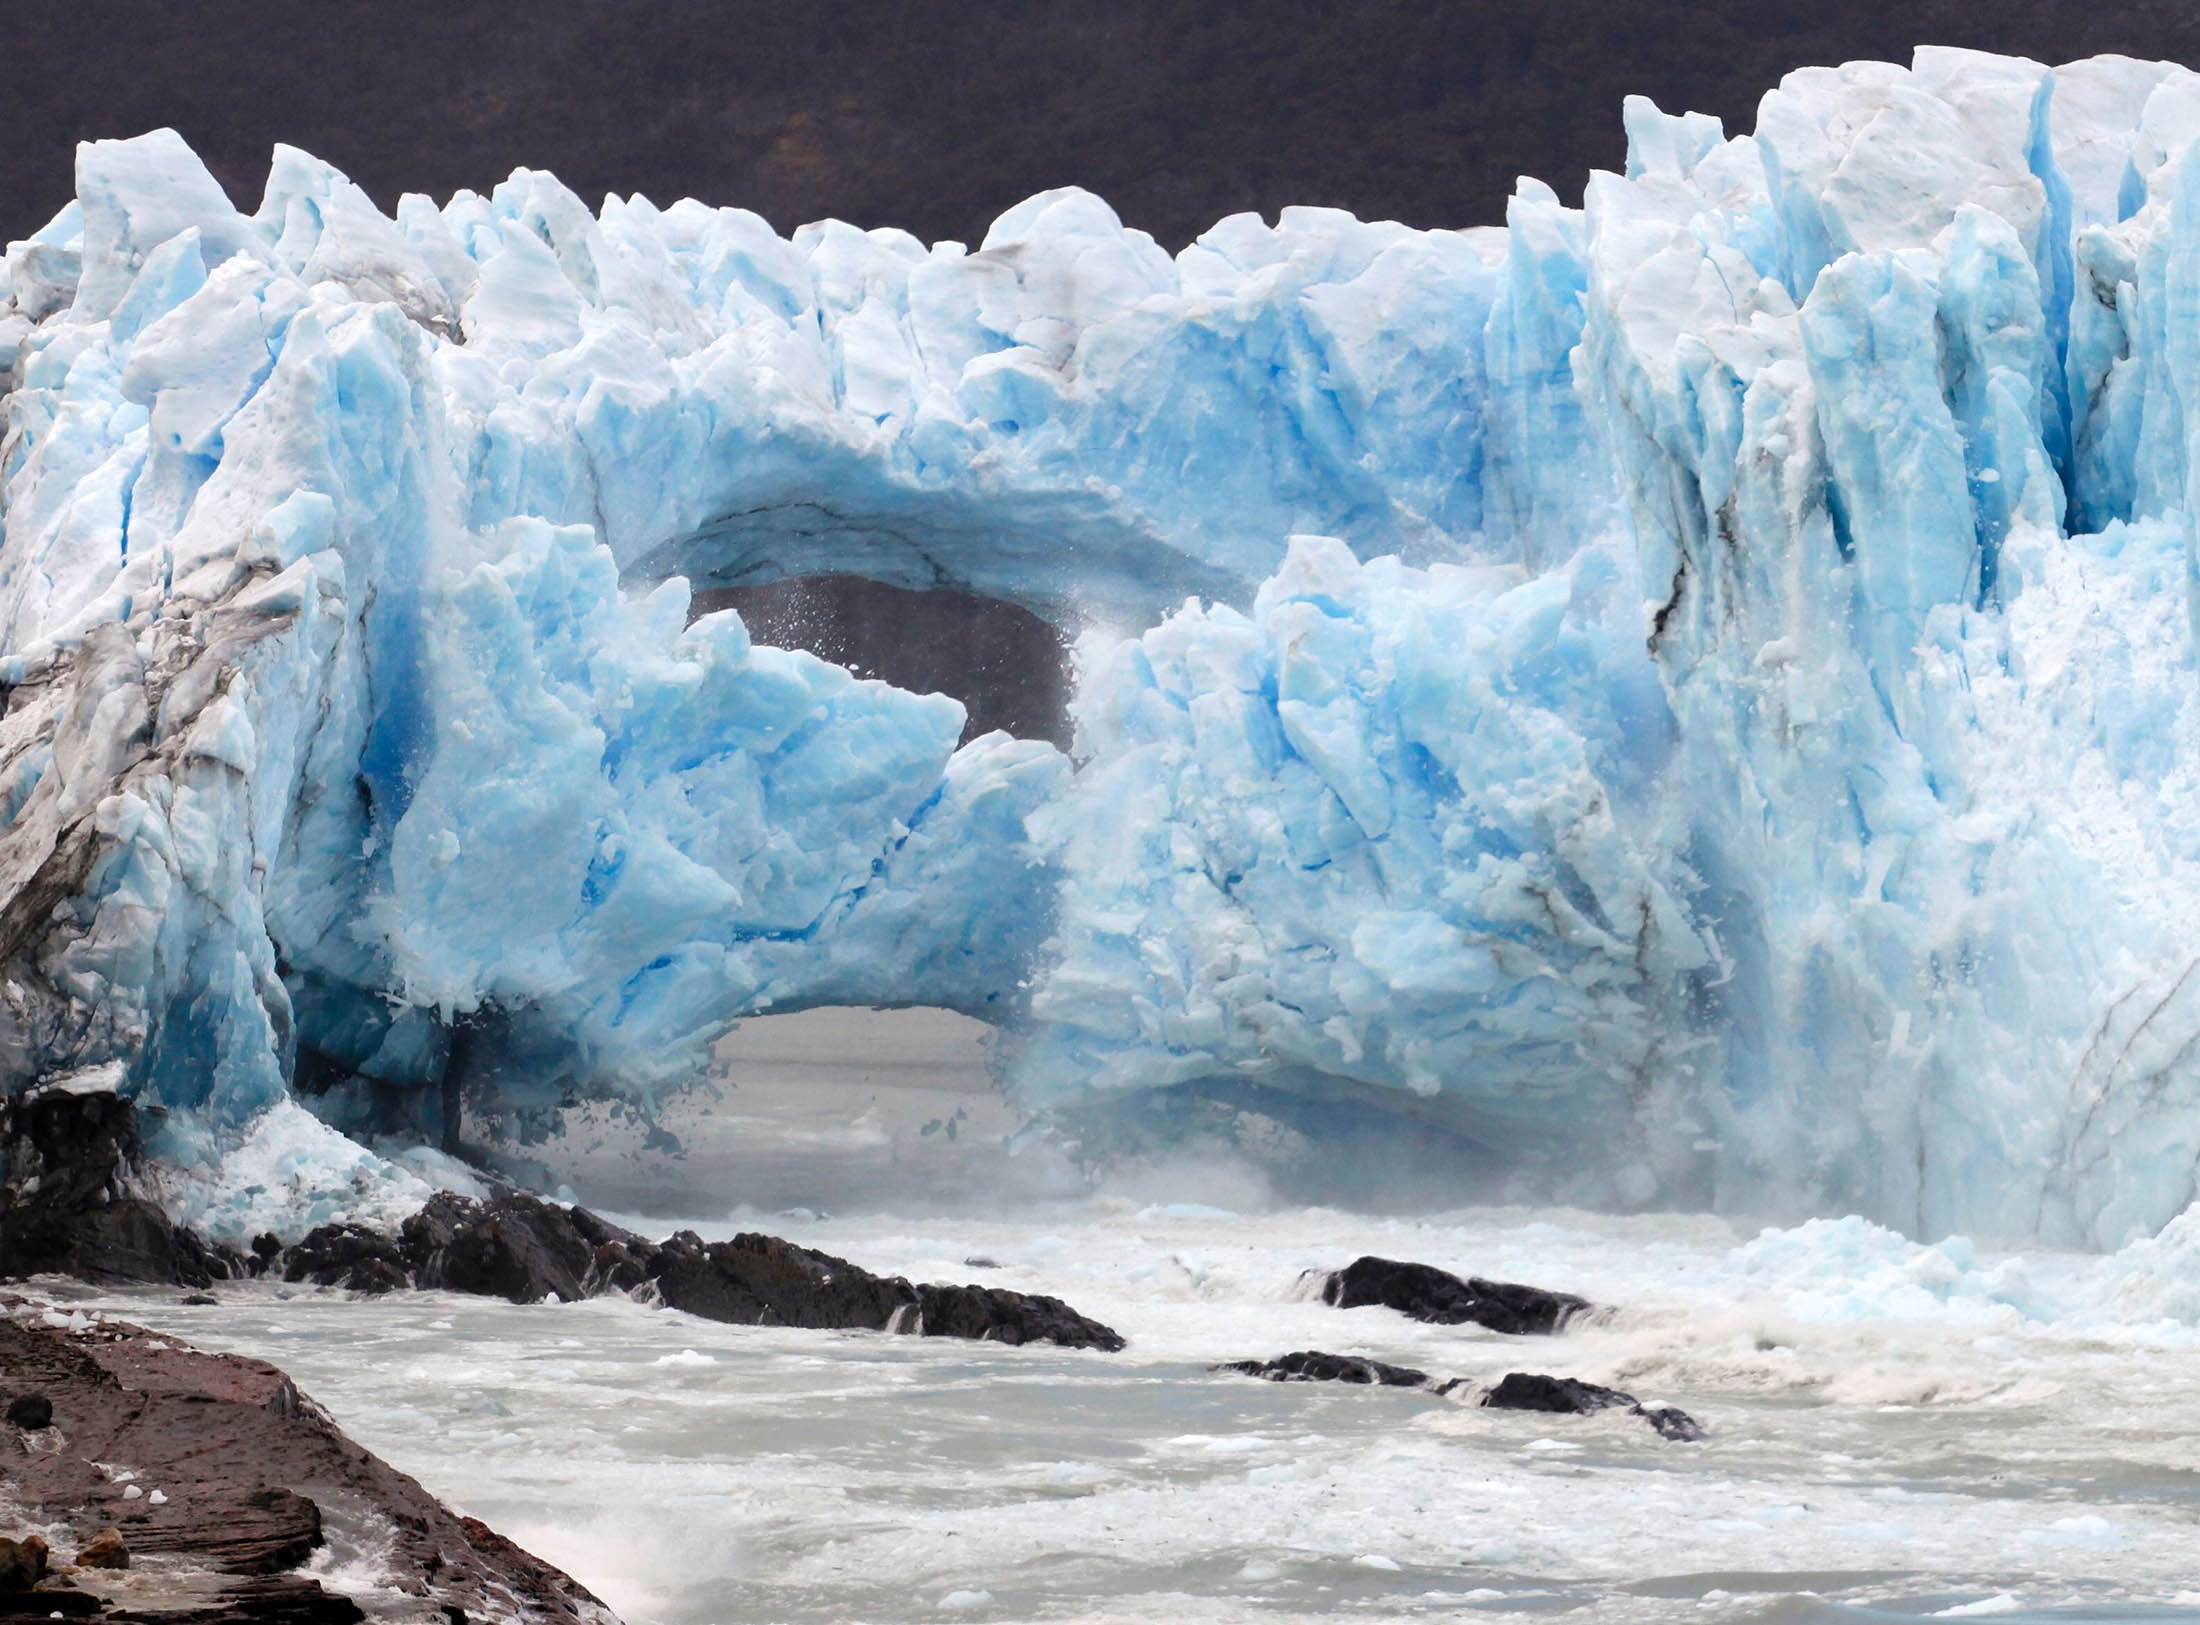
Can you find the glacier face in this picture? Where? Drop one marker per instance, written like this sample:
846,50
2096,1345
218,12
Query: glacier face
1692,693
1395,826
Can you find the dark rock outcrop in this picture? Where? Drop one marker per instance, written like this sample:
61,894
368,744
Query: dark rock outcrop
1309,1365
526,1250
1517,1391
33,1412
105,1550
518,1248
239,1475
997,1315
1569,1396
620,1260
344,1255
22,1563
761,1280
73,1200
1423,1292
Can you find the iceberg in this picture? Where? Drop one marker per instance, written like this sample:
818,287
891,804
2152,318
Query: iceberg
1692,695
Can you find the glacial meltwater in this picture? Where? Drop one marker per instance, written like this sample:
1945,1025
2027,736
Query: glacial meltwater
1896,1430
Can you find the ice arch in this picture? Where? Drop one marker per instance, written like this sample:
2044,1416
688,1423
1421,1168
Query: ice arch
1067,417
1733,734
346,726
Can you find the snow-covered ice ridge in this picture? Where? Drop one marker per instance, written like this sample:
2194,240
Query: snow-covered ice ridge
1723,732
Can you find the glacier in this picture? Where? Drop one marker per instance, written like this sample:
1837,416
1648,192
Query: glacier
1691,695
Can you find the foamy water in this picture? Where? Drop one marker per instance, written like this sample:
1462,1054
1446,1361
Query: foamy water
1897,1431
1890,1435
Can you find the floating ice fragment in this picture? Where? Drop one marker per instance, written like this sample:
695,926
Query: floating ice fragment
2085,1531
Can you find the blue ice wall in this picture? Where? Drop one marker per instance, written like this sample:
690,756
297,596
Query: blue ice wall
1693,692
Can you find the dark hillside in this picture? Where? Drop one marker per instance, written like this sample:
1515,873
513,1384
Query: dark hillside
936,116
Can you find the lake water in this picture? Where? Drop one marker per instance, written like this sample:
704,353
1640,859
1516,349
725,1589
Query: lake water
1897,1431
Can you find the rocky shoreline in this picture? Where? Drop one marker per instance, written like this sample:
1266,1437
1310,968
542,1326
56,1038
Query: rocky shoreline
192,1487
74,1200
195,1488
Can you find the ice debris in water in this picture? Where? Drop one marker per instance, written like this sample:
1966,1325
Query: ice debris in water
2158,1277
1725,733
1851,1269
686,1359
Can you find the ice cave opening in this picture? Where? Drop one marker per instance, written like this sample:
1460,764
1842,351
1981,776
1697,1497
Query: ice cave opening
852,1109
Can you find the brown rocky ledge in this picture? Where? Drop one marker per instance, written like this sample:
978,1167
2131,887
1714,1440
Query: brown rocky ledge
220,1480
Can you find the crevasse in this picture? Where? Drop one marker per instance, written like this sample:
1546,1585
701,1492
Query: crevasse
1693,694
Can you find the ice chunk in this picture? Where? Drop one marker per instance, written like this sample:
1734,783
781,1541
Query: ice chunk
138,196
292,1172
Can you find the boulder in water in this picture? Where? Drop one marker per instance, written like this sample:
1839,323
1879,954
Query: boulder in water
1423,1292
518,1248
1532,1391
105,1550
22,1563
760,1280
997,1315
1310,1365
350,1256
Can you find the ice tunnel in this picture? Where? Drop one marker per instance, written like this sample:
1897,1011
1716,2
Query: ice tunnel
1690,695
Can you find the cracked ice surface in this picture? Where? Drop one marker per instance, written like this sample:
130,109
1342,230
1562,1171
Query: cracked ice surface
1724,732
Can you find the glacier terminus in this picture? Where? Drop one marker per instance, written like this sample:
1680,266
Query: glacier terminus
1692,695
